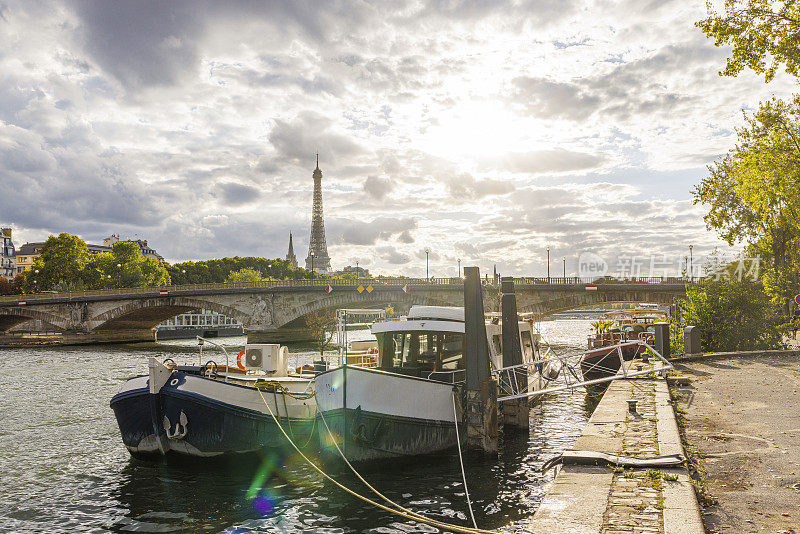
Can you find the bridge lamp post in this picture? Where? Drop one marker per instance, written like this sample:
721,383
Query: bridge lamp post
564,259
356,269
691,264
427,276
312,263
459,267
548,264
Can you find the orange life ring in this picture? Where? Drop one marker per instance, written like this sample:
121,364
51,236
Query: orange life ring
239,360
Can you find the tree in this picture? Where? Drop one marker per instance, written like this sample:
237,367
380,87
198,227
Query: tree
322,325
12,287
733,314
216,271
125,266
243,275
763,33
62,259
753,193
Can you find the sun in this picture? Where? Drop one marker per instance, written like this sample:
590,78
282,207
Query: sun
477,130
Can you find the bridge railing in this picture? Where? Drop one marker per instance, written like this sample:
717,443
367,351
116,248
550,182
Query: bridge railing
572,280
322,282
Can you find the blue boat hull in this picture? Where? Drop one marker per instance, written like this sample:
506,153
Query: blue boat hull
179,421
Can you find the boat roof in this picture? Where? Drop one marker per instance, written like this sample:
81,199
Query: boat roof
418,325
445,313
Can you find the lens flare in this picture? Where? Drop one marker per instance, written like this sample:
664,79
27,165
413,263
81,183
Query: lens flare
265,470
264,503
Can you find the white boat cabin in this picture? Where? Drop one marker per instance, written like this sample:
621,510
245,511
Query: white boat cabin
429,342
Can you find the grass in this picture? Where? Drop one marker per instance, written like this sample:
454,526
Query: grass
697,474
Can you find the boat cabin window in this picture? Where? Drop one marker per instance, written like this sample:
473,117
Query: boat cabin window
421,351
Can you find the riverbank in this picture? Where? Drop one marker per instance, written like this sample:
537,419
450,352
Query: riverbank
587,499
742,425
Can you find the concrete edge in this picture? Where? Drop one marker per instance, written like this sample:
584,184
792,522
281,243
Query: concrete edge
574,504
681,510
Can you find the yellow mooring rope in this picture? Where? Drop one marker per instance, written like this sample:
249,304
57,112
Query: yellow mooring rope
408,514
419,517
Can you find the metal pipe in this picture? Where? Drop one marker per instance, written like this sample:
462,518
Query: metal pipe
202,339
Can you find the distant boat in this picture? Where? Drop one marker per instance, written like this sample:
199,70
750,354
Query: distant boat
602,358
203,324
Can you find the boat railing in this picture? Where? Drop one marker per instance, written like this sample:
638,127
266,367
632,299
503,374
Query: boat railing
562,371
451,375
304,362
202,341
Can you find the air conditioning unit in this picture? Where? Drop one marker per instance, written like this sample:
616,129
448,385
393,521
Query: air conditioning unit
269,358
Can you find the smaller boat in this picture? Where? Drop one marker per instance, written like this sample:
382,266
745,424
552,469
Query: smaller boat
605,345
209,410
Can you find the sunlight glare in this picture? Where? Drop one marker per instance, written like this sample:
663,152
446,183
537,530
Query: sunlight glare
476,130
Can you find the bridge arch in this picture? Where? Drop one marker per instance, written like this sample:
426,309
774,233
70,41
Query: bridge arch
148,313
11,317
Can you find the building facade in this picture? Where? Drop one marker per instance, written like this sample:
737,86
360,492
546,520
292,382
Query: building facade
144,248
318,259
8,256
26,254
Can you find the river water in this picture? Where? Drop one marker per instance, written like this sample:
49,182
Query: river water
63,467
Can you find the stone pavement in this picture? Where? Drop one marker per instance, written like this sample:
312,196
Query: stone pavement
742,424
603,500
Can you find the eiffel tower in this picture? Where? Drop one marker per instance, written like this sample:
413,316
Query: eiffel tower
320,261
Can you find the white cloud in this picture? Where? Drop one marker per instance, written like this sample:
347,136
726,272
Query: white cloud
483,130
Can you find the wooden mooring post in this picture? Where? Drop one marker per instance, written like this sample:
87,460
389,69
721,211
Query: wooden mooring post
480,405
514,413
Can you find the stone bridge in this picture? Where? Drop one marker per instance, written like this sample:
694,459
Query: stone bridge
276,310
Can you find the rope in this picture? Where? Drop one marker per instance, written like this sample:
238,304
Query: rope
378,493
461,461
413,516
280,387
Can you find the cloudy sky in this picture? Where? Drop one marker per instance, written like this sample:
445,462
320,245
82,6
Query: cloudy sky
483,130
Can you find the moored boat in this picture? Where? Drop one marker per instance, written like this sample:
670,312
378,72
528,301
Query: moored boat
411,403
606,345
210,410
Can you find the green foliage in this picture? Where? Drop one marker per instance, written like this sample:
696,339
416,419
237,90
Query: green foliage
732,314
62,259
216,271
12,287
65,265
243,275
763,34
125,266
675,338
602,325
753,196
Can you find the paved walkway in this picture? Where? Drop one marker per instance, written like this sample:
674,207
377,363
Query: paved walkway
602,500
743,422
